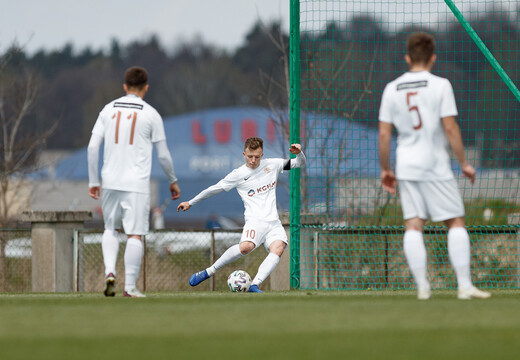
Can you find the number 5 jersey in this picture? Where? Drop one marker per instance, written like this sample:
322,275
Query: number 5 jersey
415,104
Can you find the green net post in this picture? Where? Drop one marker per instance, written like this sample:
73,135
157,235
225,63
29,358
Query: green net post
295,138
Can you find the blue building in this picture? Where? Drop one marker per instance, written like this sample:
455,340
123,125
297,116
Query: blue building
207,145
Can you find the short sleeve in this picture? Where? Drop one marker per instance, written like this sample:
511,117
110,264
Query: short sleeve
448,104
158,133
385,110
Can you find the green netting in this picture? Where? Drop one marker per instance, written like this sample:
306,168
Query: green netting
349,232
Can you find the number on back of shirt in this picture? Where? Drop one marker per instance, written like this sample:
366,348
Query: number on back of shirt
131,117
414,109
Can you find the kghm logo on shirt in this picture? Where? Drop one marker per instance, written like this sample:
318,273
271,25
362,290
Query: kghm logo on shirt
266,187
251,192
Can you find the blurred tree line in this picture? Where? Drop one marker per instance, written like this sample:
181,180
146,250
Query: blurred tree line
75,85
344,69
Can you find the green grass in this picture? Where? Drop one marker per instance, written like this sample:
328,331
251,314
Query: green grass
275,325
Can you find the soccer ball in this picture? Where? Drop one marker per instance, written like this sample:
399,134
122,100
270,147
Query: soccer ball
239,281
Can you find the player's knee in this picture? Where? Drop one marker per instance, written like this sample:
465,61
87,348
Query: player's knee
455,222
246,247
278,248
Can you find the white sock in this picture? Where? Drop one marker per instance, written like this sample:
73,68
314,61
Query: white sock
230,255
415,252
133,258
459,252
266,268
110,247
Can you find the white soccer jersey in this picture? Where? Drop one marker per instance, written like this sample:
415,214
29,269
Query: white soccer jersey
129,127
257,188
415,103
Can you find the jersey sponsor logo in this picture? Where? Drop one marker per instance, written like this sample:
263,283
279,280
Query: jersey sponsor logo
266,187
412,85
128,105
267,169
262,189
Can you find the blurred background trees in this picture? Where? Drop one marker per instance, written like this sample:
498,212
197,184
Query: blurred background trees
76,83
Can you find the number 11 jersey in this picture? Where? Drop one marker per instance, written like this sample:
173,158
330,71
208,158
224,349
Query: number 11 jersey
415,103
129,127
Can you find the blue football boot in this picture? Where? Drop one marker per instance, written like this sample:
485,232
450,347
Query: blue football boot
199,277
255,289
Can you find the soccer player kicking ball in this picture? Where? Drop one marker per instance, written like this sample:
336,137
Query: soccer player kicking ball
129,127
422,108
255,182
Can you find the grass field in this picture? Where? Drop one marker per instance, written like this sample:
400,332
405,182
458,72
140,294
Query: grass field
276,325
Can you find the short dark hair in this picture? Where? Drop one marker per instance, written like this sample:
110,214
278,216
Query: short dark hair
420,47
136,77
254,143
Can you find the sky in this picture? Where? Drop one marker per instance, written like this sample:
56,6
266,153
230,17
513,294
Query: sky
50,24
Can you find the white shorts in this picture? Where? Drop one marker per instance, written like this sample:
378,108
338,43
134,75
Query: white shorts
127,209
434,200
263,232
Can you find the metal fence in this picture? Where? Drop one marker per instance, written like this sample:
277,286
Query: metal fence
170,258
15,260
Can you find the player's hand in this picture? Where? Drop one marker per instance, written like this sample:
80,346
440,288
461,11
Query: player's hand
388,181
175,190
469,172
183,206
295,149
94,192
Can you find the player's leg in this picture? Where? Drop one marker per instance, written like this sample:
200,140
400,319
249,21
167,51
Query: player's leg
133,257
235,252
446,205
275,243
110,248
110,239
459,251
136,207
416,257
414,213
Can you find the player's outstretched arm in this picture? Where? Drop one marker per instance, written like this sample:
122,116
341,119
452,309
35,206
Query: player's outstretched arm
295,149
297,162
204,194
185,205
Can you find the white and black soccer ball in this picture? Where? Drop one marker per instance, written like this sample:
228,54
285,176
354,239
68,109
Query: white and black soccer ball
239,281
